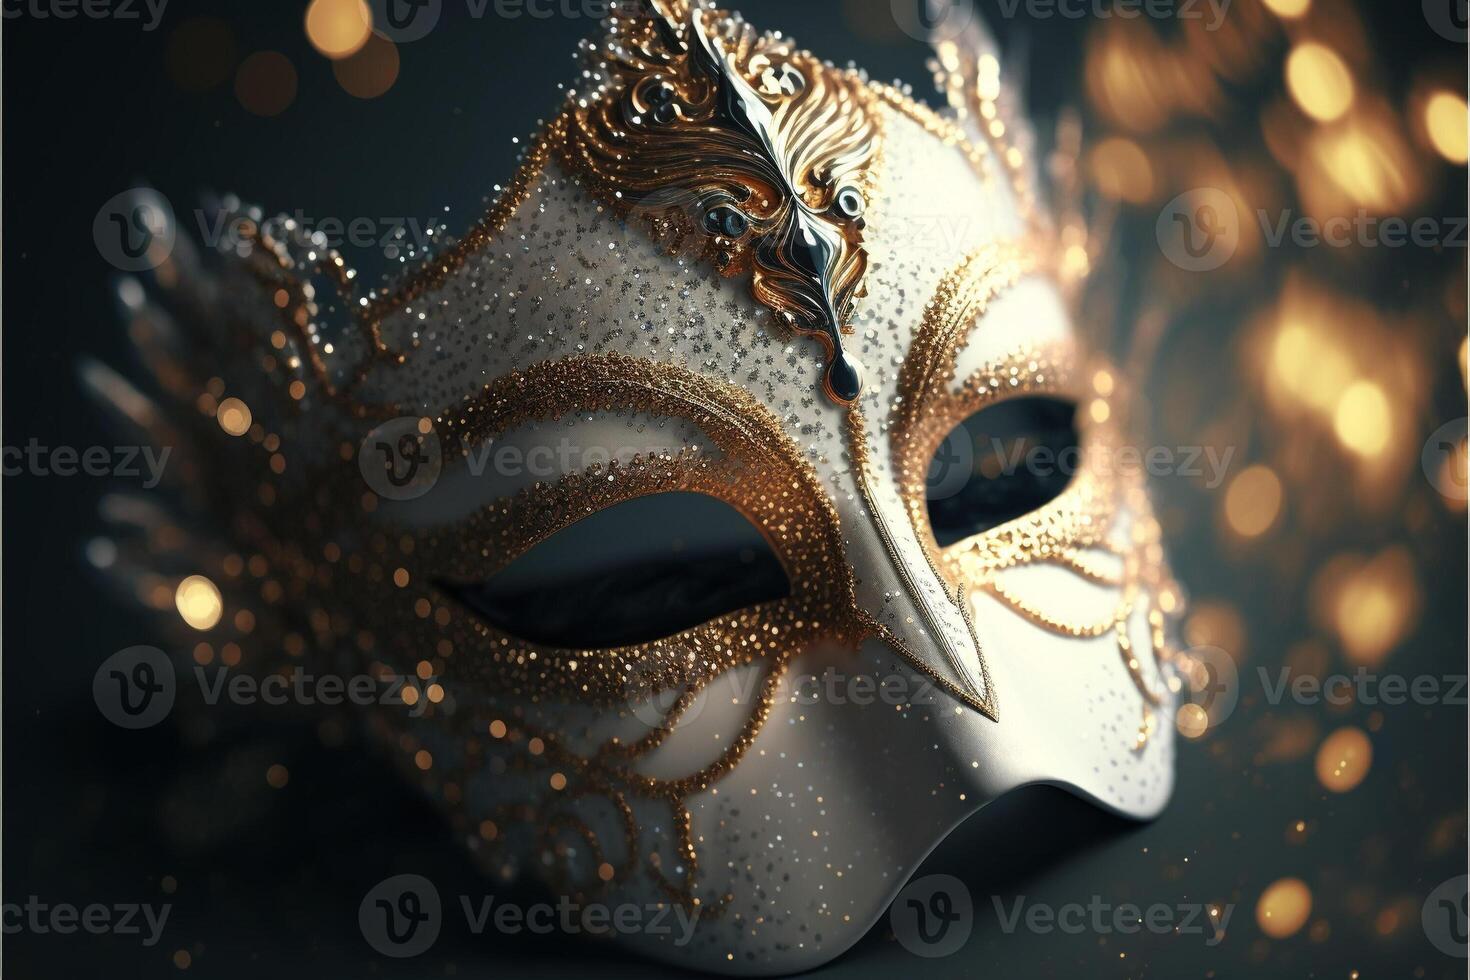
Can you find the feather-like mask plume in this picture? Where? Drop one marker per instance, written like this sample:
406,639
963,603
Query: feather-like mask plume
743,151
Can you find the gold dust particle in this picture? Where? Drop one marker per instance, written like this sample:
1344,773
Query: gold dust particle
1344,759
424,670
605,871
400,578
423,759
1253,501
1284,907
182,959
338,28
234,416
435,693
488,830
497,729
245,621
296,389
1192,720
1319,81
199,602
426,425
277,776
409,695
558,781
536,746
265,83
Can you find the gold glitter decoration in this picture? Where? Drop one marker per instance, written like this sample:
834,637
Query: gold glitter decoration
750,154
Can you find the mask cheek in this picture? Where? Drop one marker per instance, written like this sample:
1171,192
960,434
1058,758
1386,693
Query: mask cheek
1080,641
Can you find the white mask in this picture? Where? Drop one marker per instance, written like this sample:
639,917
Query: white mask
753,293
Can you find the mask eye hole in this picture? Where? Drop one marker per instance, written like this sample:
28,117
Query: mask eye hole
639,571
1001,463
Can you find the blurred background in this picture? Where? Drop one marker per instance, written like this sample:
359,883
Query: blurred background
1192,154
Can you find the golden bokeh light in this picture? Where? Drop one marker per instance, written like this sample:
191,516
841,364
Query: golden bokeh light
266,83
338,28
1363,419
1370,605
370,72
1192,720
1253,501
234,416
1445,122
1284,907
199,602
1319,81
1288,9
1344,759
1121,170
1363,161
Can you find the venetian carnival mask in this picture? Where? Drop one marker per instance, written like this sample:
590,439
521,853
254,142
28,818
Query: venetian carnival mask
636,480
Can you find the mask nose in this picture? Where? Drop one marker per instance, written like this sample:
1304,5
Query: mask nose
901,589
